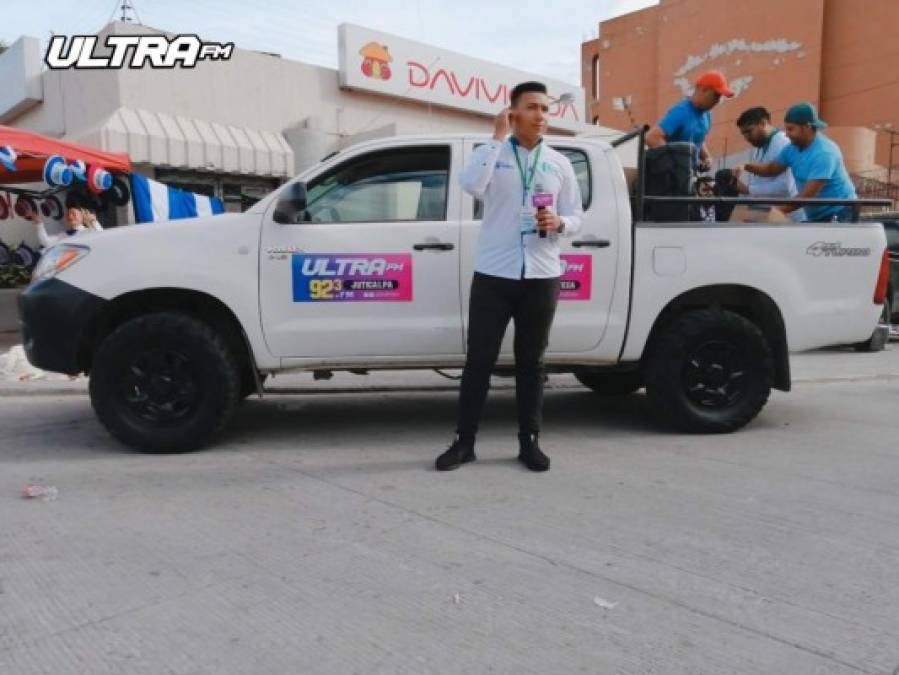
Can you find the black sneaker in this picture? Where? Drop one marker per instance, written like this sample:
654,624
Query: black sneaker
530,454
459,453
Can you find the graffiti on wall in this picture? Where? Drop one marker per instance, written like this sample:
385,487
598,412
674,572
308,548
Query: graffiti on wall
739,48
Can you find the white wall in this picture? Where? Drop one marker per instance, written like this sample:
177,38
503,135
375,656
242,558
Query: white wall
266,92
20,75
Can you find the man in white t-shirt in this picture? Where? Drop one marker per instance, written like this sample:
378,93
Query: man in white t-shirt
78,219
768,141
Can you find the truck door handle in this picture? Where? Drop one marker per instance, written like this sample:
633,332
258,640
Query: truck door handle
592,243
434,246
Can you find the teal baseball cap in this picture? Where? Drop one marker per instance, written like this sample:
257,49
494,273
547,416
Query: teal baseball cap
804,113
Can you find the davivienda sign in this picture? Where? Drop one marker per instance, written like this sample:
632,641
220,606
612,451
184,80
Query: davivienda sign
393,66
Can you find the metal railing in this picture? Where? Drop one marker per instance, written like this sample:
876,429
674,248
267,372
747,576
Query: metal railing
856,204
873,187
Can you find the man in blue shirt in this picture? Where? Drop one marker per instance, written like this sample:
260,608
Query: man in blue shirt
689,120
816,163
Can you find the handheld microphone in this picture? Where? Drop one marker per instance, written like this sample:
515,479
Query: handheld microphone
542,200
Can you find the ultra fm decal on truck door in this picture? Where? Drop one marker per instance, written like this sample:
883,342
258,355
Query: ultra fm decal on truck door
356,277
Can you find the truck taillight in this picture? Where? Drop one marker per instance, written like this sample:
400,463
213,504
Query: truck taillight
880,290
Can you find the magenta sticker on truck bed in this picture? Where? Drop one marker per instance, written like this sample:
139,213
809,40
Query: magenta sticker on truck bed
577,277
352,277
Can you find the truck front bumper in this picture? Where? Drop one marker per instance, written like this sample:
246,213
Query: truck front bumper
55,319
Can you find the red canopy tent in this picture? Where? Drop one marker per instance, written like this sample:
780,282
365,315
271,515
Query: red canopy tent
33,150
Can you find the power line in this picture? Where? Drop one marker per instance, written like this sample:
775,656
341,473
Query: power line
115,8
319,46
883,85
385,110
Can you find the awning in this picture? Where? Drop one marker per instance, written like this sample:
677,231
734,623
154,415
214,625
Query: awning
190,143
33,149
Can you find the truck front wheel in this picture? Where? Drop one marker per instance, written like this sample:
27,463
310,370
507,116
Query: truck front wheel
164,382
709,371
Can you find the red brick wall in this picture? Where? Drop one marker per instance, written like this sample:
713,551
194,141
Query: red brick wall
642,54
860,69
628,59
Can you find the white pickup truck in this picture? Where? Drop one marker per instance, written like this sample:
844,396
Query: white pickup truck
364,262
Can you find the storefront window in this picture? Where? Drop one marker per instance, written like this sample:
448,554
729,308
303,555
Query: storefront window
238,193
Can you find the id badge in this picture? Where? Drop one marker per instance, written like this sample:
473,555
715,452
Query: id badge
527,221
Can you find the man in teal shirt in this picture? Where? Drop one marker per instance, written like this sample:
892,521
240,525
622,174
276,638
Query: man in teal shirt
816,163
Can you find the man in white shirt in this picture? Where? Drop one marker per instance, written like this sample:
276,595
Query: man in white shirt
518,266
78,219
768,141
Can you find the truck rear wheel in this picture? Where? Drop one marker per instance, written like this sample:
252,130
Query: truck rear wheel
164,382
611,384
709,372
877,343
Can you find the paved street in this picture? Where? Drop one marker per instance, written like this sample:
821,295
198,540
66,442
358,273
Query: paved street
315,538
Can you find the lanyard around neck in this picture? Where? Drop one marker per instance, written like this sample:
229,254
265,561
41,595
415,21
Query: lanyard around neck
526,182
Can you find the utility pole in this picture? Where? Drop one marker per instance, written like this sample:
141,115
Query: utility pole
127,8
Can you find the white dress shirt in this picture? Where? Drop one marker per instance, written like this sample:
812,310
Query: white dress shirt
493,177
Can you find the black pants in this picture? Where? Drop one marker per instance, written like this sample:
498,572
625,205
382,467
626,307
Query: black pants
531,303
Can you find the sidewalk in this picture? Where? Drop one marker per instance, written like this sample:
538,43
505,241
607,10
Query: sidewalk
8,339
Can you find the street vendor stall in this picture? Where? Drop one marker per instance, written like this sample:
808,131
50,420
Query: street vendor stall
32,151
39,174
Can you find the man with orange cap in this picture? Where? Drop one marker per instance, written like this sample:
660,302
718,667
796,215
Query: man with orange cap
689,120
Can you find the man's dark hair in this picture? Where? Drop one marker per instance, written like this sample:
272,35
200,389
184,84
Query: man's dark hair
753,116
80,198
74,201
526,87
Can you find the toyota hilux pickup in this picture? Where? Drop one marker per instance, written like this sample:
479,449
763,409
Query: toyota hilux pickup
363,263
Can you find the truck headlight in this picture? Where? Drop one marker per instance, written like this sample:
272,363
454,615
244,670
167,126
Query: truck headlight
57,259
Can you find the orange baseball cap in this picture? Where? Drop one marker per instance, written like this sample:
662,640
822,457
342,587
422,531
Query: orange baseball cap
715,80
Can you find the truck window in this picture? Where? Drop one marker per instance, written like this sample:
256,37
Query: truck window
400,184
581,164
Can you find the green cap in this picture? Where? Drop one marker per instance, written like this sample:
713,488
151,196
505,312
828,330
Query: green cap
804,113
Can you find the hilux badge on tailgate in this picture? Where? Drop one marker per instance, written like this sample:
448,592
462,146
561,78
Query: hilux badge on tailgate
835,250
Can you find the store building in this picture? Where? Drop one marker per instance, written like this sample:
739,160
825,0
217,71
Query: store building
238,128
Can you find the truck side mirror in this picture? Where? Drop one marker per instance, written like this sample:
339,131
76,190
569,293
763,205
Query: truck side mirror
291,203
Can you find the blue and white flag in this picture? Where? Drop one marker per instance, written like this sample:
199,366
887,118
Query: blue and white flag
155,201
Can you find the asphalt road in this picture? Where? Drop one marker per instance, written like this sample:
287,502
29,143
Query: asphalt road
316,538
